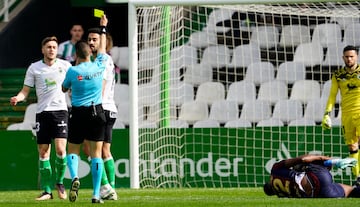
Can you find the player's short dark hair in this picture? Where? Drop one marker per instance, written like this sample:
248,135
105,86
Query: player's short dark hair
48,39
82,49
350,47
268,189
96,30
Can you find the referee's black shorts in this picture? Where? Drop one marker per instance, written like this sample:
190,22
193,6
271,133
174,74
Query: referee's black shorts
85,124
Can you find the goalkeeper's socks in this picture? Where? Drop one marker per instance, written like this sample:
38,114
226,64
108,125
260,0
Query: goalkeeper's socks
46,174
73,165
109,166
97,167
60,167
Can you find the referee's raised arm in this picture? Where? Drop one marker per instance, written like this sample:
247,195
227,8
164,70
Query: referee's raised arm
103,24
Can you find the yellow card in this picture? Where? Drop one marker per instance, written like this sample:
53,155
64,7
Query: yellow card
98,13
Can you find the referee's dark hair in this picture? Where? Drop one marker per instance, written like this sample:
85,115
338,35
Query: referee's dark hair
350,47
82,49
96,30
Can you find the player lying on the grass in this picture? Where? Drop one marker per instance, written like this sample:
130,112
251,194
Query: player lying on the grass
309,176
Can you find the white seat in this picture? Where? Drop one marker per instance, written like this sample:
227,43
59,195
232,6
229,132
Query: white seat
218,15
183,56
178,124
123,114
121,93
270,123
289,72
344,21
194,111
198,74
260,72
255,111
273,91
293,35
118,124
216,56
325,92
310,54
154,113
120,56
315,110
202,39
334,53
241,91
305,90
208,123
224,111
210,92
265,36
288,110
29,120
149,58
181,93
326,34
244,55
148,93
351,34
147,124
302,122
239,123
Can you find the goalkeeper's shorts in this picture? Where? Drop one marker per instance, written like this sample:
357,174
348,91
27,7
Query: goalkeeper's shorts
350,127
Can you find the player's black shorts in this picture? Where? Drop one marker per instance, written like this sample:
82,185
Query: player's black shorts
84,123
110,121
50,125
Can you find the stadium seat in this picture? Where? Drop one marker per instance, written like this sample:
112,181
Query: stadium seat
288,110
216,56
210,92
224,111
181,93
260,72
302,122
121,93
29,120
334,53
147,124
273,91
289,72
216,16
327,33
315,110
344,21
305,90
194,111
198,74
154,113
118,124
293,35
149,58
208,123
148,93
123,114
241,91
266,37
178,124
244,55
239,123
202,39
182,56
270,123
255,111
351,34
325,92
120,56
310,54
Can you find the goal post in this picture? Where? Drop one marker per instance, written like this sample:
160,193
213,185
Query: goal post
169,55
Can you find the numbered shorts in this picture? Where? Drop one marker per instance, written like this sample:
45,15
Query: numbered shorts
350,127
50,125
110,117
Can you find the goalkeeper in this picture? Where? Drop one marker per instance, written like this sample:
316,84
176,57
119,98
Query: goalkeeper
347,79
309,176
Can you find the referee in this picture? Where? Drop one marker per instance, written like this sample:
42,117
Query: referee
87,117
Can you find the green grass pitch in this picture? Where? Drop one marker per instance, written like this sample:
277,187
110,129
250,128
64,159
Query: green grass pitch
175,197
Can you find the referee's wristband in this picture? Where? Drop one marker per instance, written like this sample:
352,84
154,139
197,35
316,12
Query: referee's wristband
103,29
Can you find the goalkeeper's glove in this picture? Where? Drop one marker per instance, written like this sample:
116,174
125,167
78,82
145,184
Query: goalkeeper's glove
326,122
341,163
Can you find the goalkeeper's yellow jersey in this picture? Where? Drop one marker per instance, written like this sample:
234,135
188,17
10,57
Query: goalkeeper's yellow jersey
349,85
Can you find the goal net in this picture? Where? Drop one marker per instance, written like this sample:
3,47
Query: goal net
224,91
